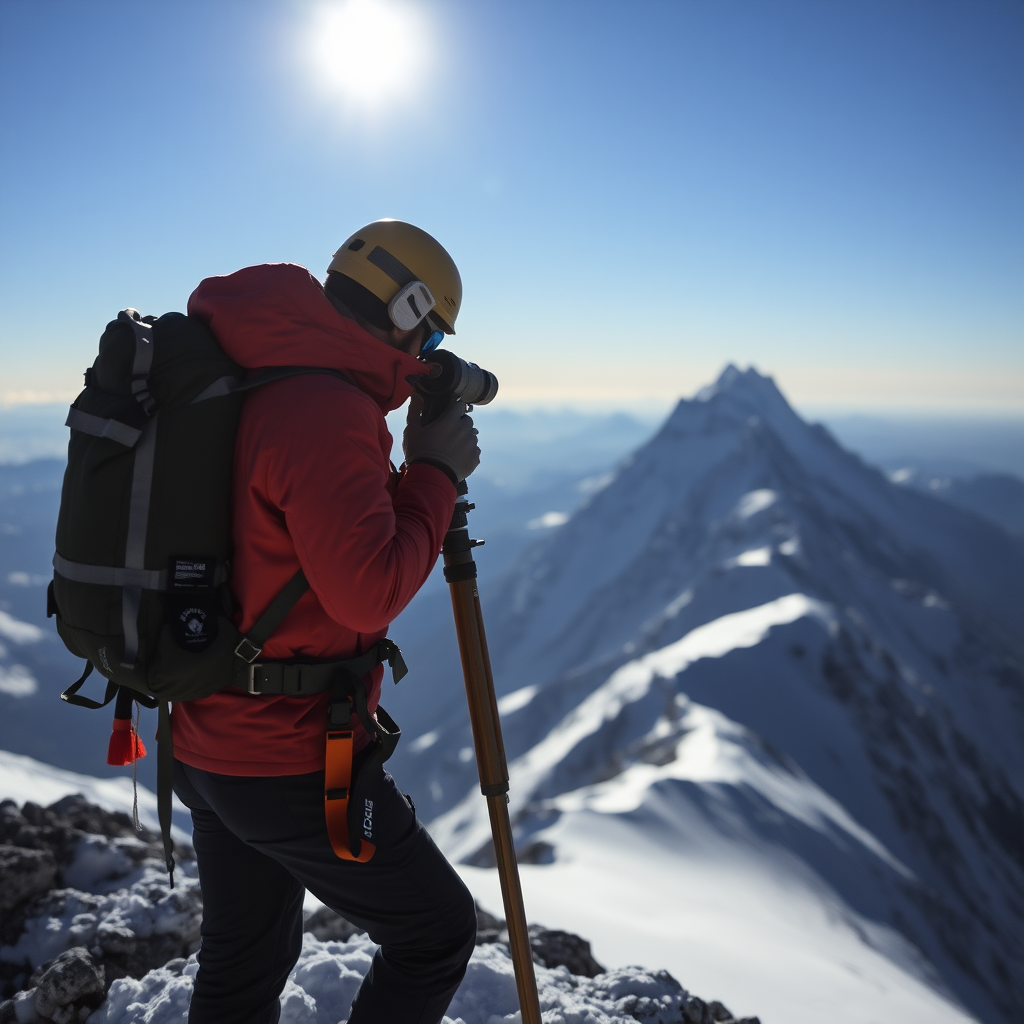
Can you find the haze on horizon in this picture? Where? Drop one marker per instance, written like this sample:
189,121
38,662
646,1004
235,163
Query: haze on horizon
636,194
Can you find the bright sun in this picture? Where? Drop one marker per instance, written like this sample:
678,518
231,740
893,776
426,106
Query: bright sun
369,50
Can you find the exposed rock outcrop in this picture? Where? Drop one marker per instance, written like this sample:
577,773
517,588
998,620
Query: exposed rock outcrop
84,901
88,914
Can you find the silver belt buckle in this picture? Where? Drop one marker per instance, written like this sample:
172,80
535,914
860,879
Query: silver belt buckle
251,685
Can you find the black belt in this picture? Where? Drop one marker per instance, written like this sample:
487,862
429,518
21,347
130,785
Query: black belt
299,678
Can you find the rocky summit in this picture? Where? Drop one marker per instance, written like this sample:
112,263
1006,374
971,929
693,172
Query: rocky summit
92,931
85,902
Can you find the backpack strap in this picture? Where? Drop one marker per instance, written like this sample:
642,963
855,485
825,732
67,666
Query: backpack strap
251,645
135,543
71,696
232,385
165,784
143,362
298,678
271,373
98,426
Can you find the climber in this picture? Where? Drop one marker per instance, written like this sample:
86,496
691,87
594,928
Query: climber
314,490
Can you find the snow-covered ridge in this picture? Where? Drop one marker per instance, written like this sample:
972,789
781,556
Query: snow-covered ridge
603,709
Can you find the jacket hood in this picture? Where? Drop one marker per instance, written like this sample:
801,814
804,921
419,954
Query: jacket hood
278,315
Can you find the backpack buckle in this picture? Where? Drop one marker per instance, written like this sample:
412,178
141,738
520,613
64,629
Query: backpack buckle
248,651
250,685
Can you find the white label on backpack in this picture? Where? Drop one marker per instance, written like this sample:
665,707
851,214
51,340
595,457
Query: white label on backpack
194,631
368,819
192,573
102,652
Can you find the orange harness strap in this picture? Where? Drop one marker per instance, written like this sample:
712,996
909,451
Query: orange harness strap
338,780
337,791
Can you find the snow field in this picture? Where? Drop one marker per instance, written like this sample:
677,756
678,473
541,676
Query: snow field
758,931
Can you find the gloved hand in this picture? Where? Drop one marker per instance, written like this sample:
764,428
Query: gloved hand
450,440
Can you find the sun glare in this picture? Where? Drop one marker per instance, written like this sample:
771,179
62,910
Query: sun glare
369,50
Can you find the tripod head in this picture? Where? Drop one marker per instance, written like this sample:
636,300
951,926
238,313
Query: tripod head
457,549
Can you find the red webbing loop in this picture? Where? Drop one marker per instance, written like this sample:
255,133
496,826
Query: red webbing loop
337,790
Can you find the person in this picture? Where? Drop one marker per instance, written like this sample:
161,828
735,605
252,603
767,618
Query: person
314,490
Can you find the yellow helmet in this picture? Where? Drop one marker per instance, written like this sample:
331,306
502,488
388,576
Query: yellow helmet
394,260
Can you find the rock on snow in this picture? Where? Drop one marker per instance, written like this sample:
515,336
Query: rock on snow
85,902
325,980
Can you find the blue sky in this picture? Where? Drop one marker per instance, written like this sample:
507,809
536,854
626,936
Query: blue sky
636,193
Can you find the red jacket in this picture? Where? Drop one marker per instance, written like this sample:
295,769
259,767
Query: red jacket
313,487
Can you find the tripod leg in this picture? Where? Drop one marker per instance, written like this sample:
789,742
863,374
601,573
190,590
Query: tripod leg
515,911
493,770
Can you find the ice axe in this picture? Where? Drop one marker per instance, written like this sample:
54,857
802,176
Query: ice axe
460,572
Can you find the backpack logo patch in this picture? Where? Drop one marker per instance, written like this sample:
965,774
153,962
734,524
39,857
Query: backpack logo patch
194,626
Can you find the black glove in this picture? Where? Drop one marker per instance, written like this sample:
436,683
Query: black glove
448,442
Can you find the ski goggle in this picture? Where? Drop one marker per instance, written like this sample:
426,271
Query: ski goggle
433,340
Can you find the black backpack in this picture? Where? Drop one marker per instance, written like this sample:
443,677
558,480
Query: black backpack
143,545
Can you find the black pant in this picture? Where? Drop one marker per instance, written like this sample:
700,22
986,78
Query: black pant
260,841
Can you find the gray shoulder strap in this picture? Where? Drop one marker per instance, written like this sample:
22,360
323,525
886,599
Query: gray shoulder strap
143,361
98,426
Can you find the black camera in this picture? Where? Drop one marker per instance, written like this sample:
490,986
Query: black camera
451,379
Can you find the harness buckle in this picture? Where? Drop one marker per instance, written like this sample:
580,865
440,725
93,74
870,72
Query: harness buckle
339,713
250,685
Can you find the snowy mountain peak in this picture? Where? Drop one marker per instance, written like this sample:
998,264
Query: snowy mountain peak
742,414
746,390
732,379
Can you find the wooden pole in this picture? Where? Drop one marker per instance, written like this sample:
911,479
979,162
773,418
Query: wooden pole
460,572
